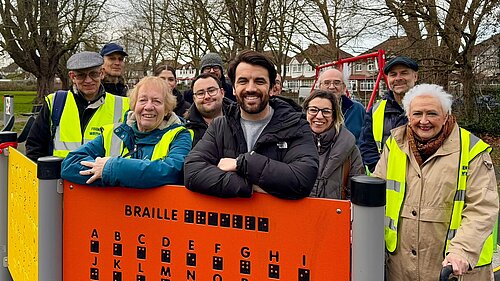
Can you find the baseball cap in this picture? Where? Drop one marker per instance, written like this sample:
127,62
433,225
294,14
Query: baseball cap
112,48
401,60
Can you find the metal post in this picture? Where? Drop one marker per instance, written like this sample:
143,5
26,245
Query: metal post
6,139
49,219
8,108
368,212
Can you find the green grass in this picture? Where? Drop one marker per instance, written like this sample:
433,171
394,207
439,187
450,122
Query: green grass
23,103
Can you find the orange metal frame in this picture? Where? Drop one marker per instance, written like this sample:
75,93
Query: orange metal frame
379,55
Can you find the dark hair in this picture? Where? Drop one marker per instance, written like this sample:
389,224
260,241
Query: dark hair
159,69
324,94
205,76
253,58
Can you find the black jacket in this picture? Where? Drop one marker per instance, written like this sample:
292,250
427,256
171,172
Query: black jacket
195,121
40,138
290,101
117,89
394,116
182,105
283,162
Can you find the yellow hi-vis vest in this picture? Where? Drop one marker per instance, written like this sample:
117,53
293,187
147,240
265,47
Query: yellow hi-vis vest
470,147
114,146
378,113
68,135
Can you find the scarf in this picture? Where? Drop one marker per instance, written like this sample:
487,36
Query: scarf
423,149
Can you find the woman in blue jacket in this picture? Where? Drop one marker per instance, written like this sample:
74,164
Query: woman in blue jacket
146,150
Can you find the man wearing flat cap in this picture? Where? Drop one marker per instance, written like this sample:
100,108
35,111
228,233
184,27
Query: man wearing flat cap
402,74
114,65
71,118
212,63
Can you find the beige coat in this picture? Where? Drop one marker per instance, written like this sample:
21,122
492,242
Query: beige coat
426,211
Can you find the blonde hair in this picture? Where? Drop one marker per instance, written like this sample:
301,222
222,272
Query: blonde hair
157,82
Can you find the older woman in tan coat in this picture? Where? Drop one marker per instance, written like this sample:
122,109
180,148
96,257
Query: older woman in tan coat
437,215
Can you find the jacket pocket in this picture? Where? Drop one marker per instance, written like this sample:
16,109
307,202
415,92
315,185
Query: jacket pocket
440,215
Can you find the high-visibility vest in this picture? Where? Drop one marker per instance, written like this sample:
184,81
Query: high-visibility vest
114,146
68,135
470,147
378,114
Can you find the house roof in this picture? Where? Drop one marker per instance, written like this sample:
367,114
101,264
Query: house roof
493,41
13,67
394,46
172,63
321,53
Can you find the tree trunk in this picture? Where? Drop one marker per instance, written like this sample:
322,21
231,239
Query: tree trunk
45,86
468,94
65,82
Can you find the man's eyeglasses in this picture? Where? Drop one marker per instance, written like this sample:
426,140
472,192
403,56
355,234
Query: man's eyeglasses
335,83
212,91
313,110
207,69
81,76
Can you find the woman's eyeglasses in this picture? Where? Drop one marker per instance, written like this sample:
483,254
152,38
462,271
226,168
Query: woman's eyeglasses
313,110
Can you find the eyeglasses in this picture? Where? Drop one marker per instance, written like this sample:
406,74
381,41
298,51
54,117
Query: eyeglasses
207,69
335,83
81,76
212,91
313,110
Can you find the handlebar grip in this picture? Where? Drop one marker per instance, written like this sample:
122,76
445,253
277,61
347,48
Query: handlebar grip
445,273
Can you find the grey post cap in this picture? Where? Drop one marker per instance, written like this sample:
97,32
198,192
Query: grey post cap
400,61
84,60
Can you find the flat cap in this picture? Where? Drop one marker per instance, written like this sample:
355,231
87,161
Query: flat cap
84,60
400,61
112,48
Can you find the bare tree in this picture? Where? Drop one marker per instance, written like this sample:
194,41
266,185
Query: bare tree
36,34
149,30
283,19
447,31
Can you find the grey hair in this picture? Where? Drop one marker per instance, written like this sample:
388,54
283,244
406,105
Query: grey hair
432,90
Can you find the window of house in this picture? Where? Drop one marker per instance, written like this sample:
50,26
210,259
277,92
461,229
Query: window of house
371,66
358,67
307,83
367,85
293,84
352,85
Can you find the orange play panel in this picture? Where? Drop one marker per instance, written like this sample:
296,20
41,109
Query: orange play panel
171,233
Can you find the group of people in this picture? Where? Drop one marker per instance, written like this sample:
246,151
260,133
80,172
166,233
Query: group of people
234,139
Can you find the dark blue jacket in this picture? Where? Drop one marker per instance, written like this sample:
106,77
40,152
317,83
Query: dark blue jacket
354,116
394,116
